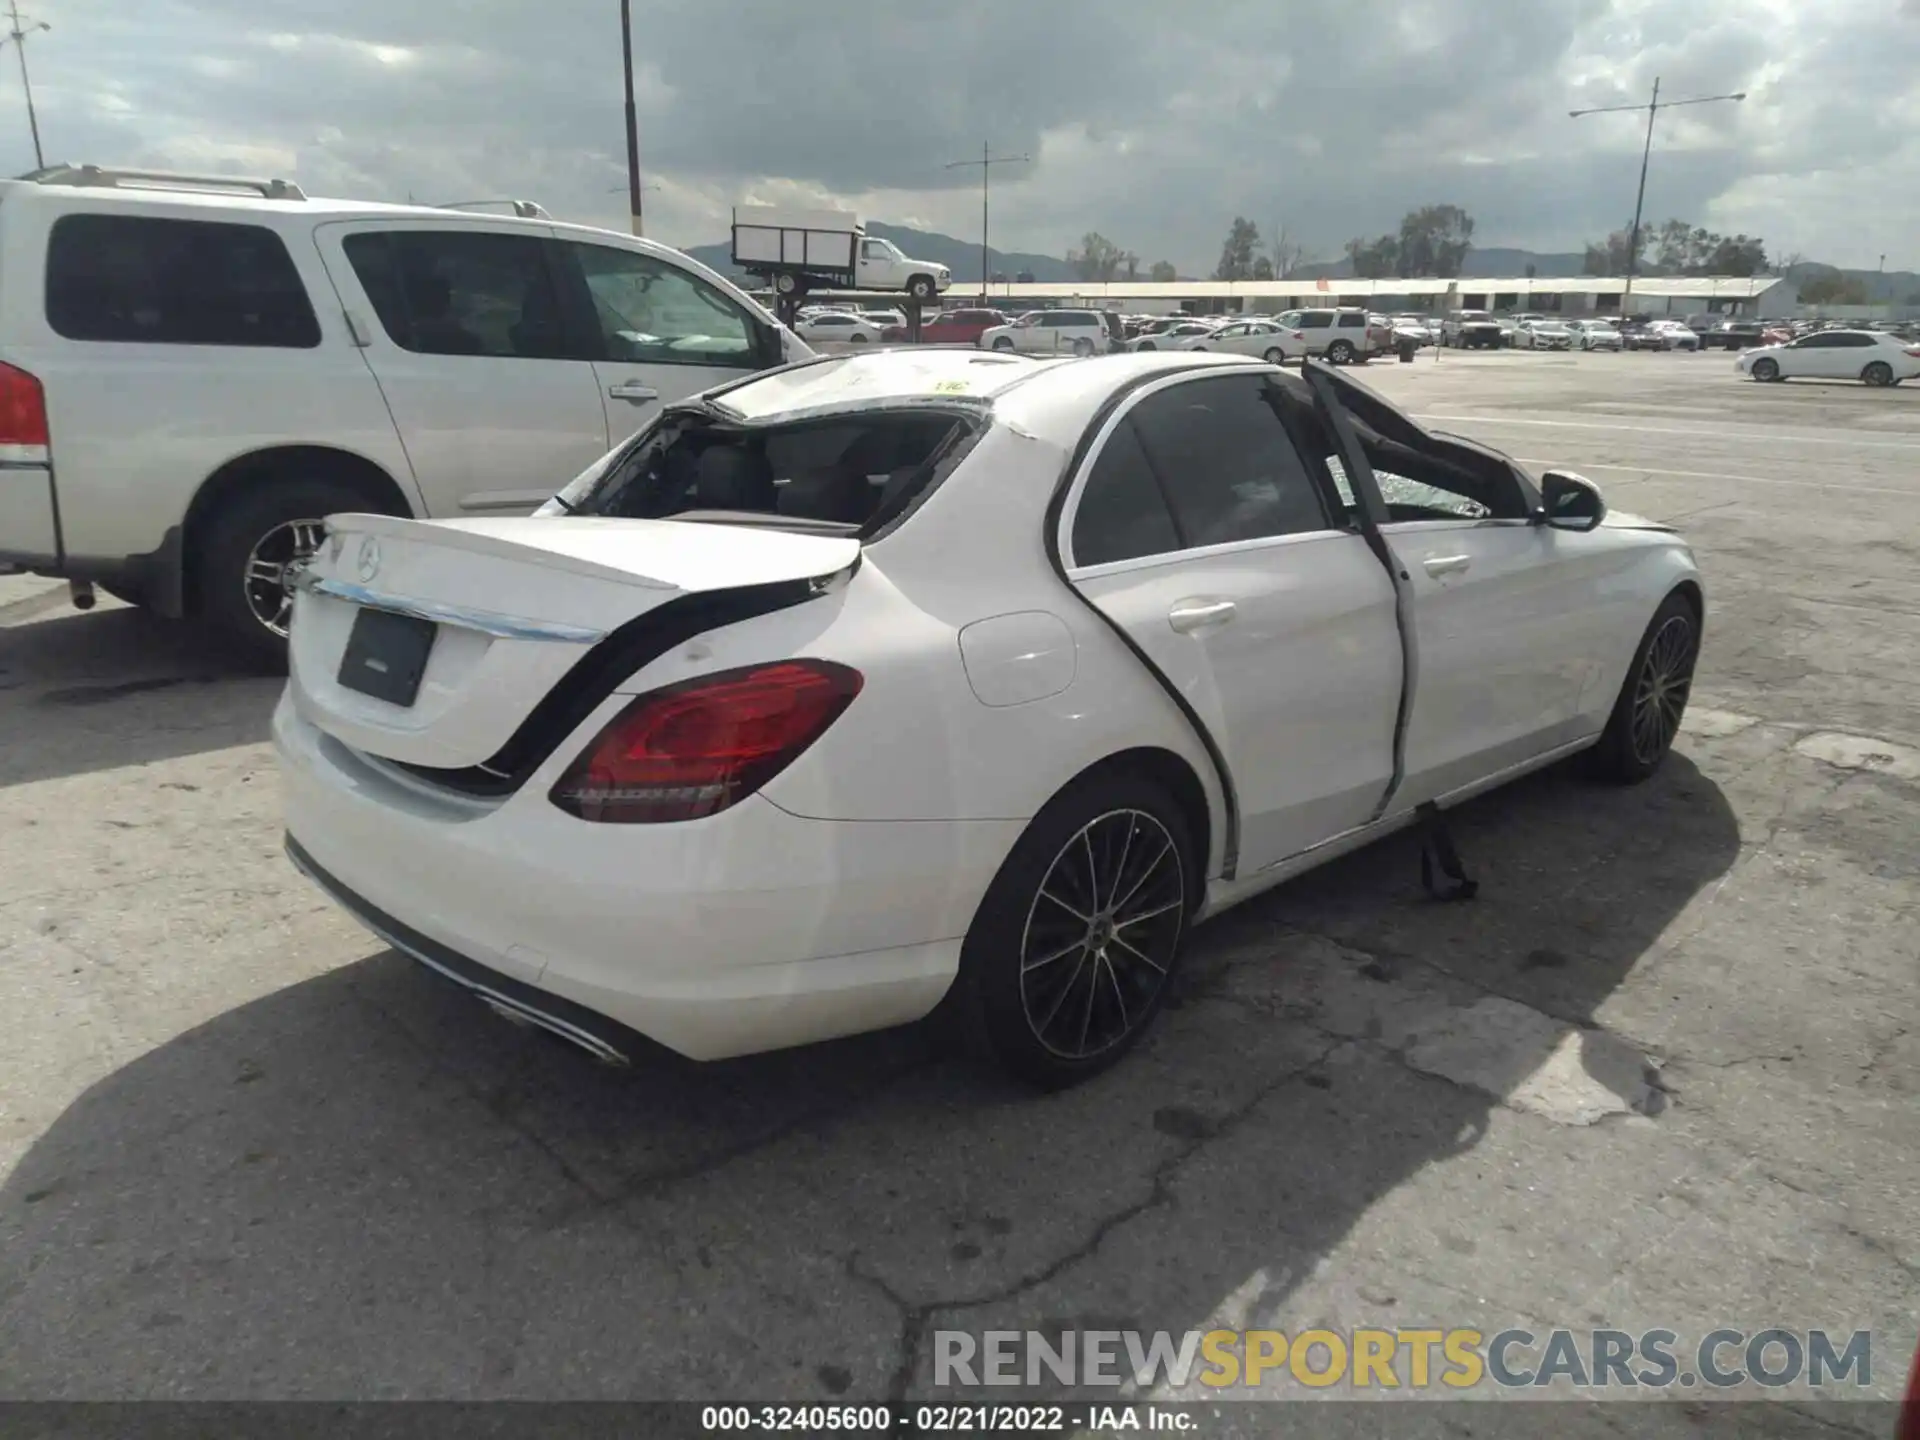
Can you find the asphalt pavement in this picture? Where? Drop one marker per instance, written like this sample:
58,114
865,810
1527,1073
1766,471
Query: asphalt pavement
1663,1072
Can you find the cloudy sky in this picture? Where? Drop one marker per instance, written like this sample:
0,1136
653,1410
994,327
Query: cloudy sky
1152,122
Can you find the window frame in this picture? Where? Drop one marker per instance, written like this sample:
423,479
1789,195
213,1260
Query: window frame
47,309
1121,414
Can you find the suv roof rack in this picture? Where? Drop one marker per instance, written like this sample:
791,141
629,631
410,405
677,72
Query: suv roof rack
522,209
113,178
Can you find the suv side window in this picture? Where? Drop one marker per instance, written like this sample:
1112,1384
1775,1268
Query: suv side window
463,292
647,310
1353,322
1122,514
1229,469
145,280
1316,320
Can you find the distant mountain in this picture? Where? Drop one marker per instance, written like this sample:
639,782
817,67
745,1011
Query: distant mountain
962,257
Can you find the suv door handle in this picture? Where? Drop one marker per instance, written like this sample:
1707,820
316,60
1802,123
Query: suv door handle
1187,616
1447,564
633,390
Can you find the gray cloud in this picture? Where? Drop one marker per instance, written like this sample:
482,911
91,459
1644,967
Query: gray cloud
1152,123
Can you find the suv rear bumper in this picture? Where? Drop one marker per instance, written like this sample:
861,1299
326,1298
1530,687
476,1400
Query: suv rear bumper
156,577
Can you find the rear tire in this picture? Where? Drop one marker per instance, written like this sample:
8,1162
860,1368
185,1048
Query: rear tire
1765,370
1003,344
1340,352
920,287
1275,357
247,544
1083,348
1100,882
1653,698
1878,373
1148,345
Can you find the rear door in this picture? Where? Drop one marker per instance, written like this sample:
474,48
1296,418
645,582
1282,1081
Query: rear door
494,395
1195,527
658,332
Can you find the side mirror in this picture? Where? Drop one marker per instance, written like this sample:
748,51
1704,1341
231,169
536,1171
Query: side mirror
1569,502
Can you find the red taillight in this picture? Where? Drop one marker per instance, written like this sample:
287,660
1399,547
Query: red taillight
1914,350
23,409
695,748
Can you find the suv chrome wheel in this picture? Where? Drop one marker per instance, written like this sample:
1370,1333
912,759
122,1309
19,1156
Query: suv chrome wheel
265,577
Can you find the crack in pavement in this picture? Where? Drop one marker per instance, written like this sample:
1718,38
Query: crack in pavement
915,1316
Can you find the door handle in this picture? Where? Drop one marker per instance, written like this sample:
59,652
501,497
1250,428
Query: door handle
1187,616
1447,564
633,390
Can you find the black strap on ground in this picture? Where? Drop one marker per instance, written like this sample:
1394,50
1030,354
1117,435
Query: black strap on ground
1441,872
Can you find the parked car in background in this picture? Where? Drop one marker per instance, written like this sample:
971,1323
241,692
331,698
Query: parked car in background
1416,327
1675,336
200,369
843,326
1052,332
1472,330
1872,357
1595,335
1339,336
1733,335
959,327
1267,339
1139,689
884,318
1542,335
1177,336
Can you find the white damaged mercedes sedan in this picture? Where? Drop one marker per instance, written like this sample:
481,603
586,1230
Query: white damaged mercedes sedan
885,680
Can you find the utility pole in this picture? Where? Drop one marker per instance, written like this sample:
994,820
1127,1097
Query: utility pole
633,121
986,162
19,28
1653,109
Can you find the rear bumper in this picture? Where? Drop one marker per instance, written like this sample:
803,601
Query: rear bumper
750,930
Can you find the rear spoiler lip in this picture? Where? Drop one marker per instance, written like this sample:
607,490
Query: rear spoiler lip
487,622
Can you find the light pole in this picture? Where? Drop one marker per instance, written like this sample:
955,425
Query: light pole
633,122
986,162
19,28
1653,109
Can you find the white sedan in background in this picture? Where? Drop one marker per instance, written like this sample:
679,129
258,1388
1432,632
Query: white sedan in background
1674,335
1595,335
1275,344
1542,335
1870,356
874,680
838,325
1179,336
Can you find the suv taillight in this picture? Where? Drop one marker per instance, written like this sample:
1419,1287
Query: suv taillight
23,415
695,748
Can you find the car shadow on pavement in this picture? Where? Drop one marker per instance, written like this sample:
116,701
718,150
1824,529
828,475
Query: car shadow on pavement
366,1186
116,686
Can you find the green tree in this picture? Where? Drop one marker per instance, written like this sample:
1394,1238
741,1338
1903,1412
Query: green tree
1236,255
1374,259
1434,240
1098,258
1262,268
1609,256
1163,272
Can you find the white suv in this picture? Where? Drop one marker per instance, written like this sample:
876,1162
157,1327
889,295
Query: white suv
194,372
1053,332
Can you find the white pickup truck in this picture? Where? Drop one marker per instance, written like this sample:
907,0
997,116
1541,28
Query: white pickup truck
801,250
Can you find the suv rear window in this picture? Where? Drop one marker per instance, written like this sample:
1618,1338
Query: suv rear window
142,280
